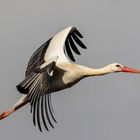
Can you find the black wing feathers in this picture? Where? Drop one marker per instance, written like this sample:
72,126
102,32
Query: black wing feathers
34,113
73,46
37,58
42,112
38,115
68,50
47,113
78,33
78,41
37,87
50,108
71,41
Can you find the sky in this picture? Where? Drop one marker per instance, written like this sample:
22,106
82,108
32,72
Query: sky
100,108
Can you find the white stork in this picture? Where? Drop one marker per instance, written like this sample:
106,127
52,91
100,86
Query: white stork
50,69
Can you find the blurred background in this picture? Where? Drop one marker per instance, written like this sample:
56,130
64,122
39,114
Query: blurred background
99,108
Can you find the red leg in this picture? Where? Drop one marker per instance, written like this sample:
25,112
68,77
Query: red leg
21,102
6,114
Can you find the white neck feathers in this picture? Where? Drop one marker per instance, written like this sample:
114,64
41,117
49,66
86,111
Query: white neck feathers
85,71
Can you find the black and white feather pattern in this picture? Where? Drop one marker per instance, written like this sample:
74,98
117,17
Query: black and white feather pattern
37,86
71,41
39,73
37,59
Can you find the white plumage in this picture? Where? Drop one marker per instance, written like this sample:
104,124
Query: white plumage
50,69
56,46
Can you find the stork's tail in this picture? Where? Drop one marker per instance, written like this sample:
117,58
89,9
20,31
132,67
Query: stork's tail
21,102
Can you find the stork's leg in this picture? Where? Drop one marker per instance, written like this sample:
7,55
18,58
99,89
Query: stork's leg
21,102
6,113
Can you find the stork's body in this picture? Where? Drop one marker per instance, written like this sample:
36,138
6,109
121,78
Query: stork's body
66,75
50,69
63,76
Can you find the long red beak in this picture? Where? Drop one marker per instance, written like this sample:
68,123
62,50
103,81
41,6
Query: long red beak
127,69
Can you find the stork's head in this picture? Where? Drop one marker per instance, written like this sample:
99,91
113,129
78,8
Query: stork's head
116,67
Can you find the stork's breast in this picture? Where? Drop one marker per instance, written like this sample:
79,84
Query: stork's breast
65,76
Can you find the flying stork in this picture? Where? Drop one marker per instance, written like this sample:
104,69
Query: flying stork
50,69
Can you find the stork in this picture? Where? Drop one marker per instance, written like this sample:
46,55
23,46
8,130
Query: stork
51,69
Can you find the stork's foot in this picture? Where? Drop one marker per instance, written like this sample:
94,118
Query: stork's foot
6,114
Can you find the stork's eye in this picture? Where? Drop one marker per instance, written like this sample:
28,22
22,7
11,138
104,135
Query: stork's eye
119,66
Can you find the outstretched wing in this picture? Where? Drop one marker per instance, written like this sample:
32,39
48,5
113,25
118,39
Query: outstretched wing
37,86
37,83
63,44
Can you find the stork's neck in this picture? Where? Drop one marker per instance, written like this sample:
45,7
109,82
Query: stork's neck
94,72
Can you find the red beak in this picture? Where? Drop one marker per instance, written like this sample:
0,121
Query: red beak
127,69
